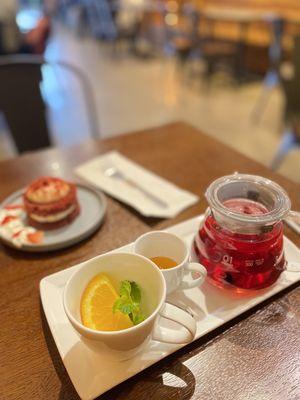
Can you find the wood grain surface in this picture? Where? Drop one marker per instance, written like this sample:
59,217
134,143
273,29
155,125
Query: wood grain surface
256,356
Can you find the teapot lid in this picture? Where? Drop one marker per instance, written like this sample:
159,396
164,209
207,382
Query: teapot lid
270,201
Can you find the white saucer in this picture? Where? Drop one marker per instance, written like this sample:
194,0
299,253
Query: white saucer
94,371
92,209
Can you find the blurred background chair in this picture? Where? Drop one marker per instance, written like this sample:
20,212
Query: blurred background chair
271,78
290,79
189,42
100,18
184,39
127,25
221,53
1,39
106,20
218,54
22,102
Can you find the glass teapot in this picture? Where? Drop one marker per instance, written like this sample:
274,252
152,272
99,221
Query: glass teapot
240,241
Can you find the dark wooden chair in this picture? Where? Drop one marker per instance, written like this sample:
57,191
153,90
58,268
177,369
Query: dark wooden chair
218,53
1,39
22,103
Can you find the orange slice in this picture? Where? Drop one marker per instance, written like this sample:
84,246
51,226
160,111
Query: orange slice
97,306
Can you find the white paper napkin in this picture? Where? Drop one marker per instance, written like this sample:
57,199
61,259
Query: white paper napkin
176,198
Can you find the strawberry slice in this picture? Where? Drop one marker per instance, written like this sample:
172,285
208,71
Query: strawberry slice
36,237
17,233
7,219
13,206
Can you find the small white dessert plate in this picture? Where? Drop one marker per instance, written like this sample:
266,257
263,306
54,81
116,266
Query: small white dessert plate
92,210
94,369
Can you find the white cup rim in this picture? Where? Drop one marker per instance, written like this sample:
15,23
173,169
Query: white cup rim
127,330
169,270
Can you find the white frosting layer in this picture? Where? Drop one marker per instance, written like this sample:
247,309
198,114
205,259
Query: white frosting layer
53,217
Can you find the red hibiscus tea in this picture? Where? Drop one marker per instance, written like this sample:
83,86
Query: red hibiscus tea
240,241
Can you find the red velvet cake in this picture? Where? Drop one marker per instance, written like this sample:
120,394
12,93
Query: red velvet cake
51,203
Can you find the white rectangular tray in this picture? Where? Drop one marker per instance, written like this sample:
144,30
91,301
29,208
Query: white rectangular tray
95,372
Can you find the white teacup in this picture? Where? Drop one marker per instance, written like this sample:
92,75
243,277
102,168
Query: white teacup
165,244
133,267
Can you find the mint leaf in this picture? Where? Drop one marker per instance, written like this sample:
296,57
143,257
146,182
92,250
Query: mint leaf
135,292
125,289
126,307
129,301
117,305
138,319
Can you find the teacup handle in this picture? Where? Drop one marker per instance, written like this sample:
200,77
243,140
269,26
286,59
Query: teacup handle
183,318
194,267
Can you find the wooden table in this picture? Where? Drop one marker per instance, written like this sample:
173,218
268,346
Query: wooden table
254,356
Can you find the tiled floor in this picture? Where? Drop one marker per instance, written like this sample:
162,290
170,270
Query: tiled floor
133,94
